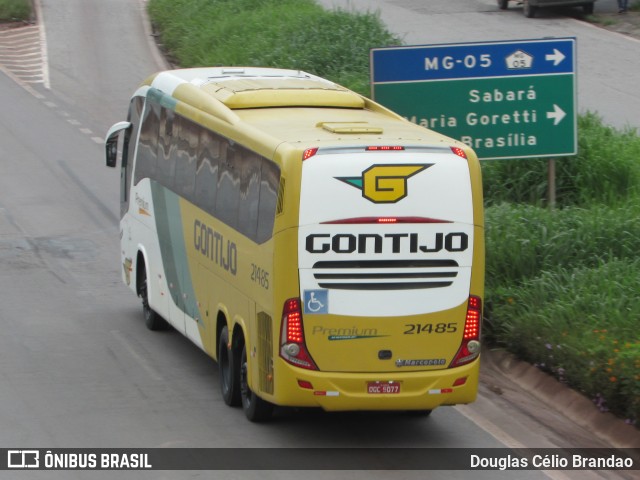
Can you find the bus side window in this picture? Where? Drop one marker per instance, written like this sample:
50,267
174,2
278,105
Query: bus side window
148,144
249,168
187,139
228,194
269,183
207,171
167,149
128,150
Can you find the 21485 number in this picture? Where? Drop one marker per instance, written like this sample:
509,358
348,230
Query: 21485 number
427,328
260,276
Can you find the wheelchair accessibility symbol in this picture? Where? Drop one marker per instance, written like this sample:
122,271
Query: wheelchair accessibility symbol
316,301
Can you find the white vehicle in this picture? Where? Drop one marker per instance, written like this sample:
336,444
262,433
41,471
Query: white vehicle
530,7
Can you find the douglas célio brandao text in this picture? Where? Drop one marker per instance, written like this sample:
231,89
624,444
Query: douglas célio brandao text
552,462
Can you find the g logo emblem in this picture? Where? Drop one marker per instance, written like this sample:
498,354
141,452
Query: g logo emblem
385,183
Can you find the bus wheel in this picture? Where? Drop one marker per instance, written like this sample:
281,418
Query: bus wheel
255,408
229,372
152,320
503,4
528,9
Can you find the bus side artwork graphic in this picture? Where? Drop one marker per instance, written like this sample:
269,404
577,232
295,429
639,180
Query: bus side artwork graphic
268,216
212,245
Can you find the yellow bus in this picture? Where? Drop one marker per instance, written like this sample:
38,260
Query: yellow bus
323,250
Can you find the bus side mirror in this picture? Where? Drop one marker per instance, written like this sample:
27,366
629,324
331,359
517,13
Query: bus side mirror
111,142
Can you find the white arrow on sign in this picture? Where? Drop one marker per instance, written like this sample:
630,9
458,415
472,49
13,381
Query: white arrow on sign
556,57
558,114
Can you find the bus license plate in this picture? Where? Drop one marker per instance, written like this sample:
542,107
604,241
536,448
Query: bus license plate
383,387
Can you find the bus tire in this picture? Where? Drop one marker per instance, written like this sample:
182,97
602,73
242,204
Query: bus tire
255,408
152,320
228,366
528,9
503,4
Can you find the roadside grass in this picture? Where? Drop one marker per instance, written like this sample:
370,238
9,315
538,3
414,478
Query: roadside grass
604,21
523,240
580,324
610,19
602,172
295,34
561,283
15,10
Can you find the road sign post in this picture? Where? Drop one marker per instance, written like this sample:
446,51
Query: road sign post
551,190
504,99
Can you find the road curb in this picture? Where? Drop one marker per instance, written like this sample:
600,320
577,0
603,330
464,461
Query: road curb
158,57
573,405
23,50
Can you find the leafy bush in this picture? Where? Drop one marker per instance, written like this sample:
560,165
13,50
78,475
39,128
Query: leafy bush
581,325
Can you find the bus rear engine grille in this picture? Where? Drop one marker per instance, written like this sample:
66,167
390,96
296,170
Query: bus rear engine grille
385,274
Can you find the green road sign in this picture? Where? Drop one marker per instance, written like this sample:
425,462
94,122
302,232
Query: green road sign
520,104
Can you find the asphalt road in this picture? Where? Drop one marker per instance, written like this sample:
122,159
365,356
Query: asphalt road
77,366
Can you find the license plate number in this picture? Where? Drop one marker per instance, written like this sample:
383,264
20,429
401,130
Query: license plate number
383,387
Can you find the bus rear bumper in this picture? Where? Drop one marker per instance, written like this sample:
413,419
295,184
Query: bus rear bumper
424,390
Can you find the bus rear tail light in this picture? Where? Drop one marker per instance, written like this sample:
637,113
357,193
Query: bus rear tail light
459,151
292,345
470,347
460,381
308,153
